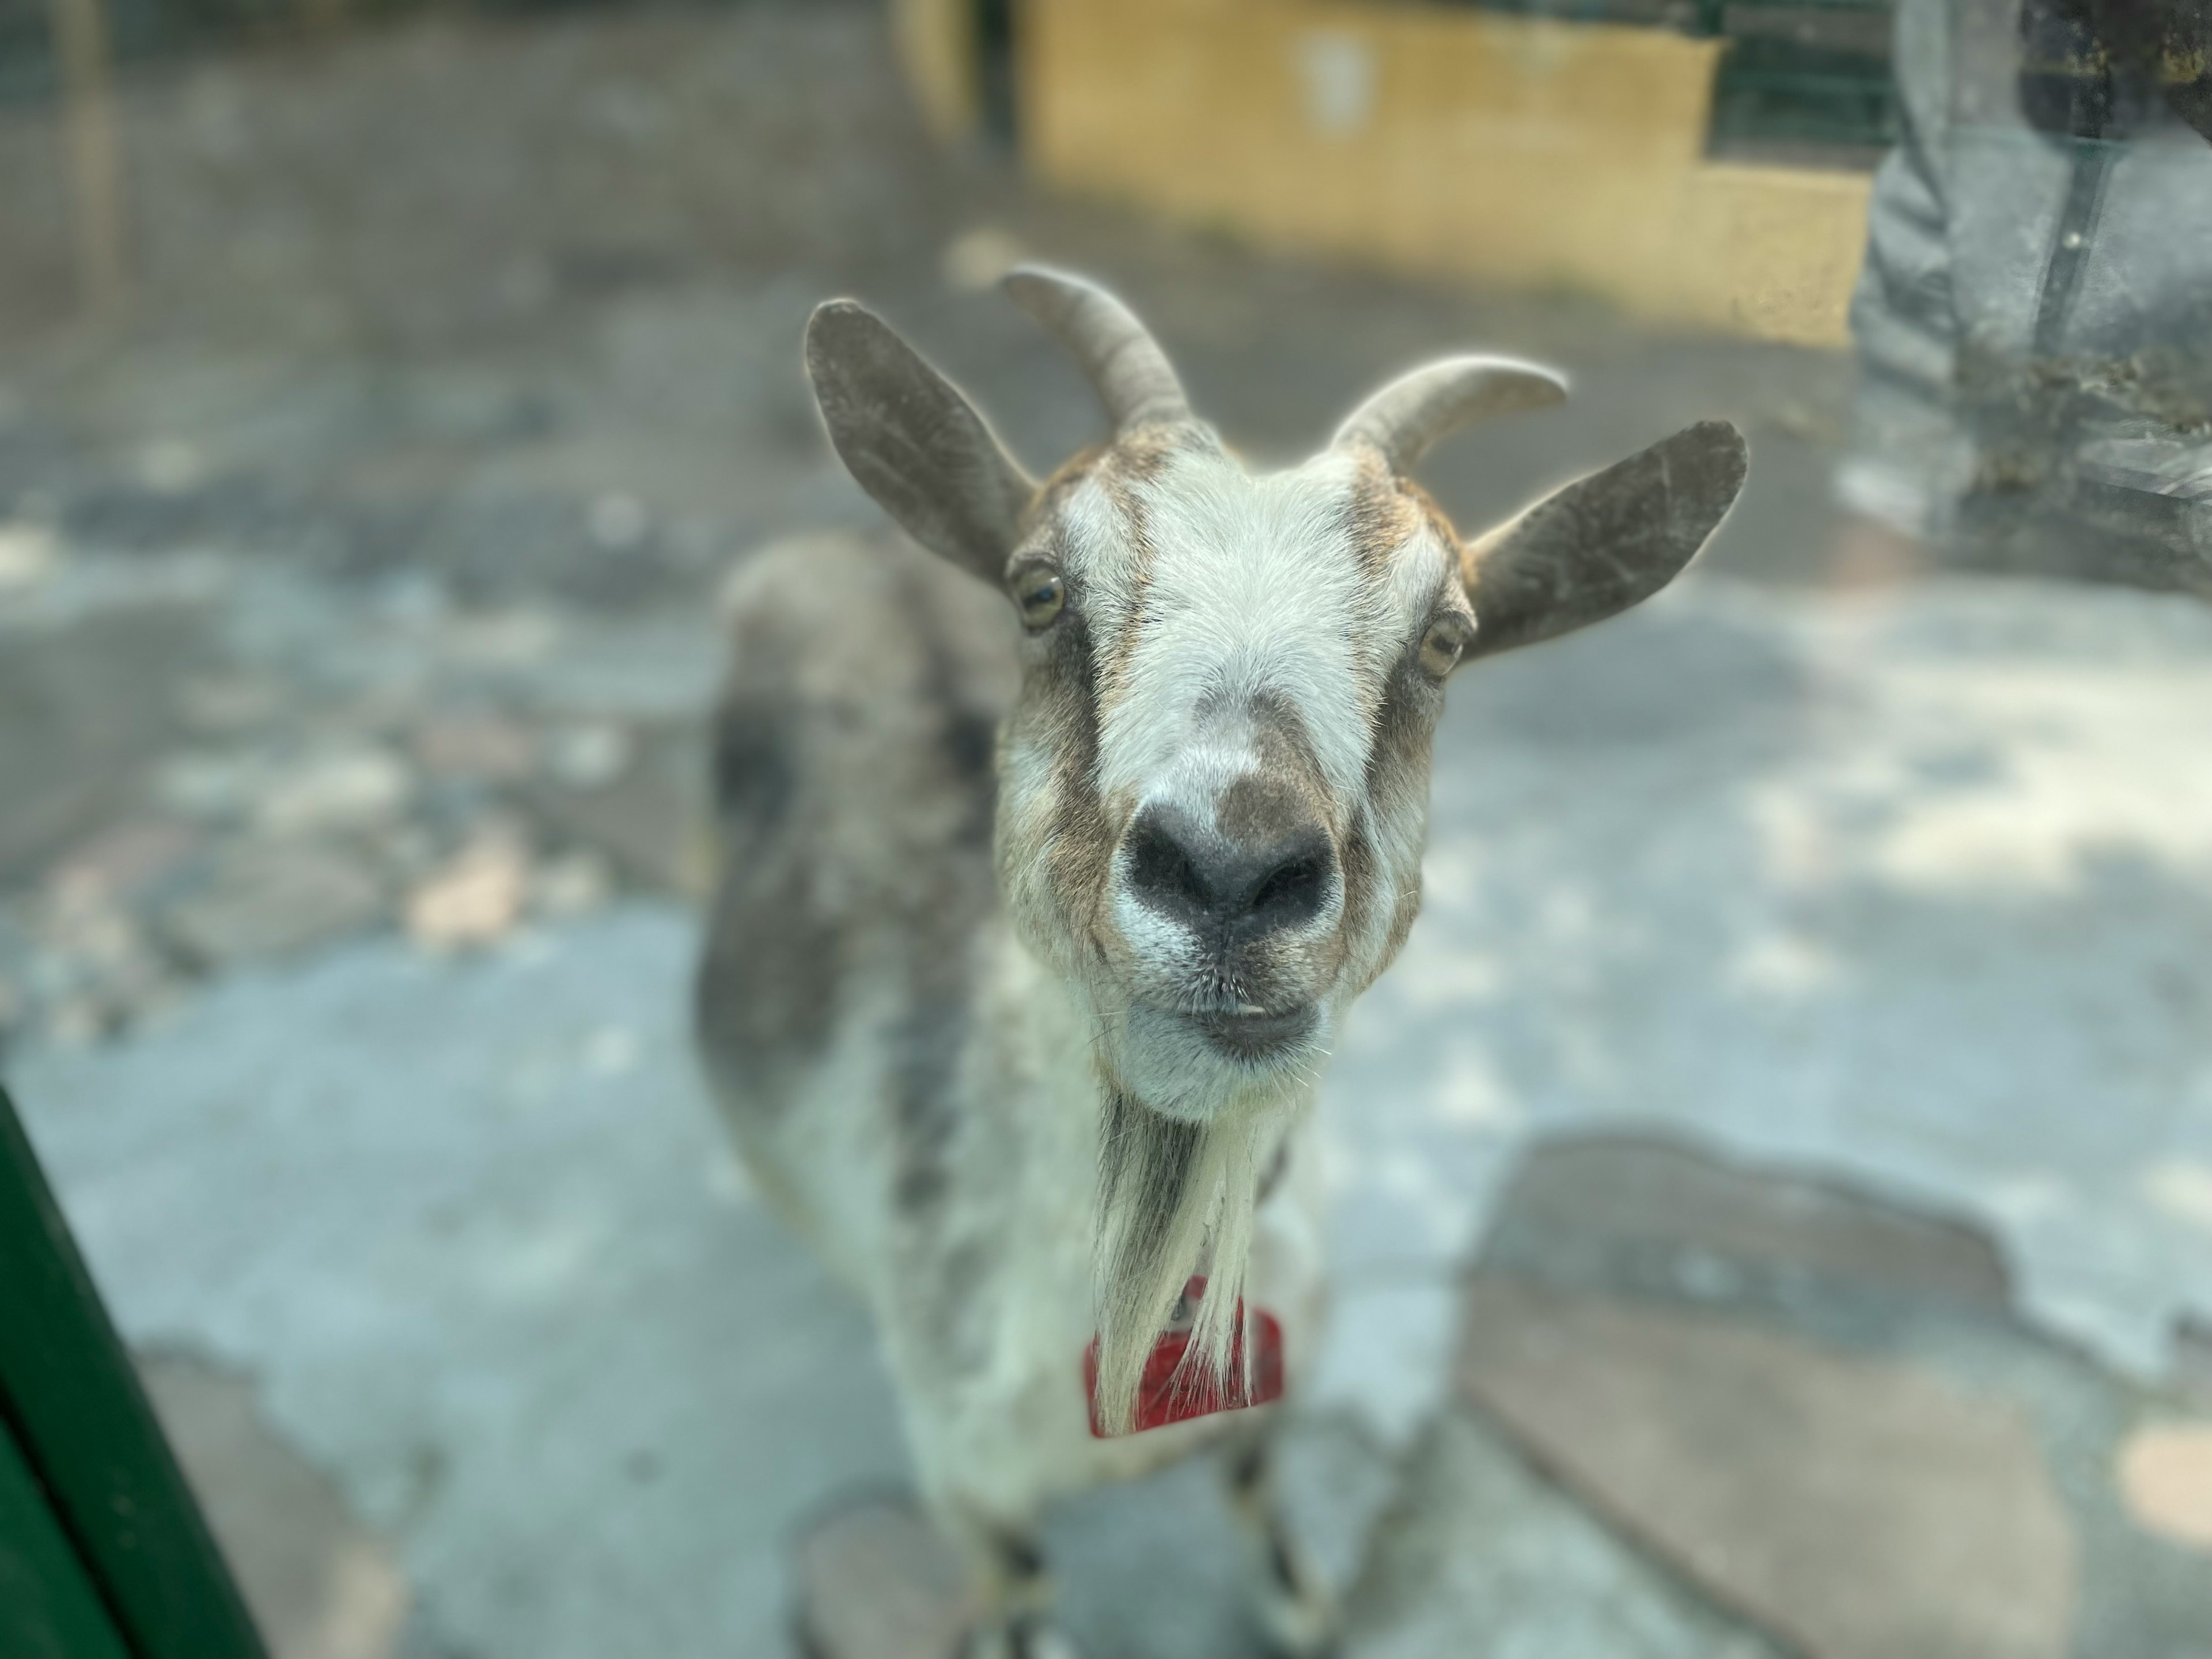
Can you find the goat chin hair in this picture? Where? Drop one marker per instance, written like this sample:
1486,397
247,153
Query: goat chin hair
1169,1189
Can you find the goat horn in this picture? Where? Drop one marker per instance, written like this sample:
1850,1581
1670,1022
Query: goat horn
1134,380
1411,413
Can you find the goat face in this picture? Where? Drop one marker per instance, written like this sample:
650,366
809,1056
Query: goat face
1214,785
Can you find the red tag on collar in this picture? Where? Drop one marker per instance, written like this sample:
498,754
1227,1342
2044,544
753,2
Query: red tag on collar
1160,1401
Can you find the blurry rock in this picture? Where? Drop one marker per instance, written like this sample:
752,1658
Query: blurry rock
619,522
410,851
571,884
319,1583
99,968
82,922
413,599
83,710
2181,1188
123,862
502,639
28,554
171,465
475,899
1479,1541
348,790
877,1582
1665,1217
102,970
2192,1356
476,746
2166,1475
76,1021
220,704
1857,1509
589,755
210,785
272,900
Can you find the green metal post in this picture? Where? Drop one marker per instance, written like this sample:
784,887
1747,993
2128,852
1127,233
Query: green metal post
86,1479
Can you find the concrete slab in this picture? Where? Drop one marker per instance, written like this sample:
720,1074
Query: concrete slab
1484,1555
1670,1217
1738,1364
1859,1510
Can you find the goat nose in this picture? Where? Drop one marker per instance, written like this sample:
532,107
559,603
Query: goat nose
1246,887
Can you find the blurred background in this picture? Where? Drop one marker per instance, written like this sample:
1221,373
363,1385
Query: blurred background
1773,1197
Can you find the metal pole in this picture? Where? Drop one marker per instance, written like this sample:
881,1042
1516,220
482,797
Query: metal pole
95,155
73,1412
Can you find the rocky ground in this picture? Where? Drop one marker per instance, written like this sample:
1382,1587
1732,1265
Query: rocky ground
355,634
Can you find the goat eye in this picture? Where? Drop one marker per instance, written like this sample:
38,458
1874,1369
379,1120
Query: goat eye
1039,594
1441,645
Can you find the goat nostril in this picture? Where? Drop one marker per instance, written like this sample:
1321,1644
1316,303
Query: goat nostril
1176,867
1162,870
1293,890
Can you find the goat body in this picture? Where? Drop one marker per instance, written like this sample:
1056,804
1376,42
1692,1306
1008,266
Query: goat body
1033,930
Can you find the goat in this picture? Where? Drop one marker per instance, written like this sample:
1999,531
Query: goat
1033,930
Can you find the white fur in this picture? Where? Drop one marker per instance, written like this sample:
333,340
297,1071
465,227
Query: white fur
1253,588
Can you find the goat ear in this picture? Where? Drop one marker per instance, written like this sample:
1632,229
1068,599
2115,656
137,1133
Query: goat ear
911,440
1604,542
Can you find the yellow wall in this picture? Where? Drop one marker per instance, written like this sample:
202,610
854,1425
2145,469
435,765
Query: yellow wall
937,45
1443,141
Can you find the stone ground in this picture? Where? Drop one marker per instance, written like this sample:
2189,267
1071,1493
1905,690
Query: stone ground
1773,1197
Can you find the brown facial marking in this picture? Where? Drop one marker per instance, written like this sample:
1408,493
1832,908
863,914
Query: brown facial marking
1133,460
1062,693
1407,911
1052,495
1396,786
1404,725
1256,807
1288,773
1356,860
1070,685
1432,517
1388,511
1385,510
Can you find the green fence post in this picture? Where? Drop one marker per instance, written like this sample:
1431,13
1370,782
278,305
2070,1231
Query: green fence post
87,1455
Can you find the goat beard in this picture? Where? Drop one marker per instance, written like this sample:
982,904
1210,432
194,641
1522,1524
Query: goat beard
1169,1188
